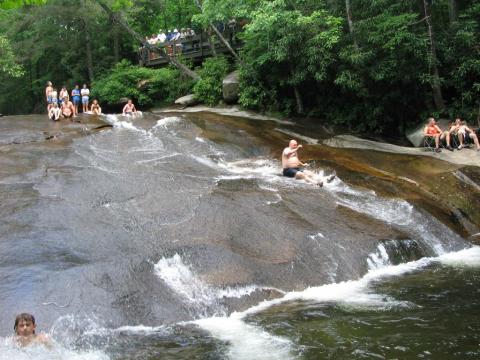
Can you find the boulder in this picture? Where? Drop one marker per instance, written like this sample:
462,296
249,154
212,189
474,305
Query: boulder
415,136
188,100
230,87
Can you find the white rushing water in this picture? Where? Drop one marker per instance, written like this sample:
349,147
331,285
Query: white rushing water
9,350
248,341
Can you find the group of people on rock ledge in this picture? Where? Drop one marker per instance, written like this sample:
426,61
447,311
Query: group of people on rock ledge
457,136
60,106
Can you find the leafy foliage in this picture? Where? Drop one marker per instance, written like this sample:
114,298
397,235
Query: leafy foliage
298,56
209,88
284,48
145,86
7,59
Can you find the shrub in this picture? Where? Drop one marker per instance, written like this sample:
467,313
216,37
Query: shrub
209,88
146,86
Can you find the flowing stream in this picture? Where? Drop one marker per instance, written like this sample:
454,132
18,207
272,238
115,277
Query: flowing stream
175,237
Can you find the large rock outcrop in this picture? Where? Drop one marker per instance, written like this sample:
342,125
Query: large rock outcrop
187,100
230,87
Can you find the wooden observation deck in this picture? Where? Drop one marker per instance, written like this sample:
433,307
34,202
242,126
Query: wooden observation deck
195,48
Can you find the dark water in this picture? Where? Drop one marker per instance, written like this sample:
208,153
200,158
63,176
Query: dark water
159,238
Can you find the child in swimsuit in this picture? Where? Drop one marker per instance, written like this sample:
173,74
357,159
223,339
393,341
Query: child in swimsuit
129,108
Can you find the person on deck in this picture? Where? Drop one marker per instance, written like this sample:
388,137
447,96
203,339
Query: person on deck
432,130
95,109
76,98
293,167
25,331
129,109
85,97
54,112
48,91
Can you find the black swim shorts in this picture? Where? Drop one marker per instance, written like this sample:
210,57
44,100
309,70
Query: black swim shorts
291,172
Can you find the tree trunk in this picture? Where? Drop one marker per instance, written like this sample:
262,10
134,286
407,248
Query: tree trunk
298,99
437,91
452,11
211,43
350,23
184,69
116,42
220,36
88,43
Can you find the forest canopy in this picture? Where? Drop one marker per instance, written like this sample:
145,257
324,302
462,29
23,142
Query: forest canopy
370,65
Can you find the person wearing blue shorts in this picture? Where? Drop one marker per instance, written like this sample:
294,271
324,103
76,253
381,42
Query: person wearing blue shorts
76,98
85,92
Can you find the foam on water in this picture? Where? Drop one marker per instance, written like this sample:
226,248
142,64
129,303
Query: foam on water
379,258
464,258
246,341
181,279
11,351
116,122
167,121
432,233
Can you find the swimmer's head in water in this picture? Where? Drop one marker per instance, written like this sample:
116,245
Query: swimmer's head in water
24,325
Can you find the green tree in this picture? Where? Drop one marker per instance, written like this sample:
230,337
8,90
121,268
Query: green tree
285,51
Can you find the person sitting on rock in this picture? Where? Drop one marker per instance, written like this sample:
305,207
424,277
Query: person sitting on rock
466,133
129,109
25,331
432,130
293,167
68,110
95,109
54,112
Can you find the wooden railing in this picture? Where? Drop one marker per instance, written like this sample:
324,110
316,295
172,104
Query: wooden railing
194,47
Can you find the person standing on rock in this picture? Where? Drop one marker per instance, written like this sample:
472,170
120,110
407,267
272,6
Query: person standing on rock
293,167
76,98
48,91
85,97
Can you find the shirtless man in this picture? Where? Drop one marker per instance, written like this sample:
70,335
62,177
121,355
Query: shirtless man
129,108
464,133
25,331
433,131
68,110
293,167
48,91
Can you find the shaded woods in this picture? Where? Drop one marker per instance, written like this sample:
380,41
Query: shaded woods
378,66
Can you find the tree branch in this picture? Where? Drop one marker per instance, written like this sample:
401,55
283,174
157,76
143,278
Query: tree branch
184,69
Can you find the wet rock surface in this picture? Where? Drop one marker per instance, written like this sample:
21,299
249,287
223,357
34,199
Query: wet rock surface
135,220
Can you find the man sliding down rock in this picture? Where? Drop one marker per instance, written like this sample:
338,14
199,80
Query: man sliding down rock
293,167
